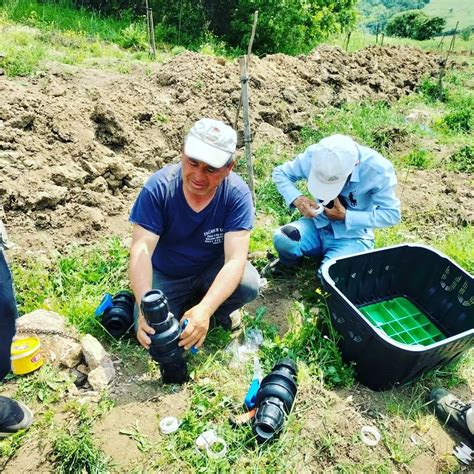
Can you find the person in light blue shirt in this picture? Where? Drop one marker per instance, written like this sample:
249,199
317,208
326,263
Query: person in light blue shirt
353,192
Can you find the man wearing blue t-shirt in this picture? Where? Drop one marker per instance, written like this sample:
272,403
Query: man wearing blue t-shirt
191,235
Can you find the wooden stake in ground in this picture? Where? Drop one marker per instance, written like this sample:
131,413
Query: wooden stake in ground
244,80
249,51
348,39
244,99
444,63
150,30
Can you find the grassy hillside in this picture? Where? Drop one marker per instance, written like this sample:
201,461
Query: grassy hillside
452,10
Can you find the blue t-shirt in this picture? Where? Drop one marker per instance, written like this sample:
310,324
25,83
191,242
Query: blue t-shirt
189,240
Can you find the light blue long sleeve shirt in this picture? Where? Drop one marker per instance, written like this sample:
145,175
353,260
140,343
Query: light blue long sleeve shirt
369,193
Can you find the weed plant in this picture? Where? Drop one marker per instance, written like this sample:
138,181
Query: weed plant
73,284
46,385
74,448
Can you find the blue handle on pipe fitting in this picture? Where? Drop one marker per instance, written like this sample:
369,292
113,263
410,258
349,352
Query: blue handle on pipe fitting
251,398
104,304
193,349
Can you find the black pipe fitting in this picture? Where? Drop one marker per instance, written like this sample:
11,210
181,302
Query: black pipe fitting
274,400
117,319
164,347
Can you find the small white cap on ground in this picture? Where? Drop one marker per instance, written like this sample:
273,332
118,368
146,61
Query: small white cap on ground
370,435
169,425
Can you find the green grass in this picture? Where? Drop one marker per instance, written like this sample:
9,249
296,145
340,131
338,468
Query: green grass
35,33
47,385
73,446
452,11
374,124
62,16
73,284
360,39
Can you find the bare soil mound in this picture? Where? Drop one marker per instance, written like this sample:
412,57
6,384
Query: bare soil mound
76,145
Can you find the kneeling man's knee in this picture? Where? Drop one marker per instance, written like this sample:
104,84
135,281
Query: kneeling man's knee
287,240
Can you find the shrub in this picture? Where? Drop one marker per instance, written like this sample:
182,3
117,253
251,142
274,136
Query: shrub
418,159
415,24
463,159
465,34
458,120
134,36
431,90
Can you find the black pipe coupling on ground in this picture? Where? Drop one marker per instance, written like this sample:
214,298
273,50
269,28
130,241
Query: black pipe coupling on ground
164,347
274,400
117,319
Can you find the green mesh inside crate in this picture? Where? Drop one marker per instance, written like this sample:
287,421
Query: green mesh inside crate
401,320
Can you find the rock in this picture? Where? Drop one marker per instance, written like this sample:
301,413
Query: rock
79,378
100,377
99,184
135,182
73,390
71,353
46,198
89,397
24,120
418,116
83,369
42,321
94,353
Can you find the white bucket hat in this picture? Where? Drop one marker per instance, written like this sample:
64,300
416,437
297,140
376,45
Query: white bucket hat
333,161
211,141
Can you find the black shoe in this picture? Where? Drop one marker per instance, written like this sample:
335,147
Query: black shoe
229,322
275,269
451,411
15,416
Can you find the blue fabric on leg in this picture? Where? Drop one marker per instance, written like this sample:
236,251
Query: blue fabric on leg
8,315
315,242
333,248
291,251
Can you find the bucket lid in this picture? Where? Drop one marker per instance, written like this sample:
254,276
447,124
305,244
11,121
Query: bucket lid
24,347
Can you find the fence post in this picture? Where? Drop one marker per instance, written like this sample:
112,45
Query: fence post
249,51
150,30
244,80
348,39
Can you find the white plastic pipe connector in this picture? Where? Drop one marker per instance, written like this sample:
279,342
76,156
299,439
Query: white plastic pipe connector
169,424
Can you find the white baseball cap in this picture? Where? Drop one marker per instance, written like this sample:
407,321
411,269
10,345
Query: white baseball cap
211,141
332,162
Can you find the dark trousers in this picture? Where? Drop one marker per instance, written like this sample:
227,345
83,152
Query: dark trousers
8,314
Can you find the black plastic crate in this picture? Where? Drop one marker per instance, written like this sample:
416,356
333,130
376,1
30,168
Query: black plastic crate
436,285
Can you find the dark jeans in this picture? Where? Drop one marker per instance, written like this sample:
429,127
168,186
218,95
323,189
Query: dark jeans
8,314
183,293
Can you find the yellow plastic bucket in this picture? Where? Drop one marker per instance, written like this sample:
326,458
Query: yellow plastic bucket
25,355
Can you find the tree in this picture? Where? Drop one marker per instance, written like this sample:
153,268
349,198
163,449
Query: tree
285,26
289,26
415,24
